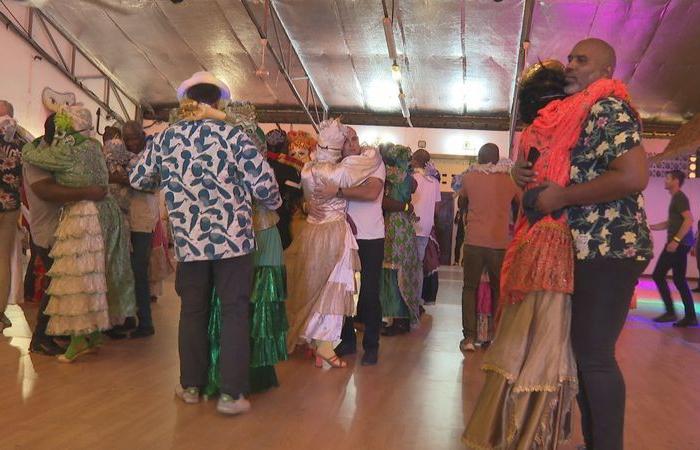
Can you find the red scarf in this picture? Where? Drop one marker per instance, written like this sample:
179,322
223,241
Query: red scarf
540,257
285,159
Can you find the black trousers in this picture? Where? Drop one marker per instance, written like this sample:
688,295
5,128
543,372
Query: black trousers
697,254
284,226
140,262
603,289
30,274
42,320
677,262
194,282
459,241
369,309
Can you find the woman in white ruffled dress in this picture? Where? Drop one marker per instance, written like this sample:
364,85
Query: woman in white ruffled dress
92,285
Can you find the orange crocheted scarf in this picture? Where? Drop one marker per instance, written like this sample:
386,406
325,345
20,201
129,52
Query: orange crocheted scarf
540,257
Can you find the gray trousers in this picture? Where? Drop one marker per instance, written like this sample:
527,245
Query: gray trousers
194,282
475,260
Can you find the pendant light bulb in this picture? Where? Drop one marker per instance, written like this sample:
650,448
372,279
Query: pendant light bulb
396,72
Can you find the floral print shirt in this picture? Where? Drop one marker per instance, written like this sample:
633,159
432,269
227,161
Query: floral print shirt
210,172
10,174
617,229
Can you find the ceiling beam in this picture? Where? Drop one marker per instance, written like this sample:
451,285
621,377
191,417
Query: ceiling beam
60,60
523,45
420,120
270,13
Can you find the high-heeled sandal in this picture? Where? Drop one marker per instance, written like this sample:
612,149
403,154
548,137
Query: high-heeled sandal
309,353
78,346
95,342
69,359
334,361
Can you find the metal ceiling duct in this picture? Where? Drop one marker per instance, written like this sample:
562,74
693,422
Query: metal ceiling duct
657,44
457,58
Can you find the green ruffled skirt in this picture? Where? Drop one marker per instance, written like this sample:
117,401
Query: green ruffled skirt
268,319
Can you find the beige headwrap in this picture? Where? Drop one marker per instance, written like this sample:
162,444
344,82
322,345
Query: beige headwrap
331,138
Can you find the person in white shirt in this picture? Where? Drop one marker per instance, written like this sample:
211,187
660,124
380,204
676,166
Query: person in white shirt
143,214
424,200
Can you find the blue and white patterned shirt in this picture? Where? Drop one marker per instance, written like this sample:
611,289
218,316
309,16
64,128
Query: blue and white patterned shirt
210,172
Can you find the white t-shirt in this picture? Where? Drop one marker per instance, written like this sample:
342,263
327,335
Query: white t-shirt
368,216
43,215
143,211
424,199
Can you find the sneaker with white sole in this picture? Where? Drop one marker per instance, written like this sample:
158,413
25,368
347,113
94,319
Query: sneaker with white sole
467,345
232,406
188,395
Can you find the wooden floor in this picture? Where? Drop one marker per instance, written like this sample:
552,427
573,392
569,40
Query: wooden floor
418,397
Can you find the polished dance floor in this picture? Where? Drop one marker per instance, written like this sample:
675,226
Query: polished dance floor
418,397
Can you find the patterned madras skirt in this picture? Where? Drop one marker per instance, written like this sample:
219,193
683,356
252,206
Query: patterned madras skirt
531,381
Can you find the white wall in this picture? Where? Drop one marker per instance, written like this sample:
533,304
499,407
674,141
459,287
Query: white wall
24,78
439,141
657,200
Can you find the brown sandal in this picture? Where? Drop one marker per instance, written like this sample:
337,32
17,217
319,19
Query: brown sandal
334,361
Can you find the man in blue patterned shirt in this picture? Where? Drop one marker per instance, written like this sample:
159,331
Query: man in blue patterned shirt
605,210
210,172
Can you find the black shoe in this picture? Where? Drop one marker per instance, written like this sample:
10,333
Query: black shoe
128,325
404,325
394,329
141,333
5,321
345,348
46,347
666,317
115,334
686,322
370,357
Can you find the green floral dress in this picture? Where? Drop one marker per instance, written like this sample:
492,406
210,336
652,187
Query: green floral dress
92,284
402,273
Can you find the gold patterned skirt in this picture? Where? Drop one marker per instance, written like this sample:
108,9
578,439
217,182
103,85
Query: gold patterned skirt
531,381
321,264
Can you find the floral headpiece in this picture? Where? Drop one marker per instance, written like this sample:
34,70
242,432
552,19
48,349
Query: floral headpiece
301,145
397,159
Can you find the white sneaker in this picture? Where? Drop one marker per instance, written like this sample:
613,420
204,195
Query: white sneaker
189,395
467,345
230,406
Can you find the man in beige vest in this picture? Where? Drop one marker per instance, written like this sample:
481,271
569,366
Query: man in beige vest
490,193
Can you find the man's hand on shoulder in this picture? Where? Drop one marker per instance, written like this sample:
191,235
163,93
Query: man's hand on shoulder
326,190
94,193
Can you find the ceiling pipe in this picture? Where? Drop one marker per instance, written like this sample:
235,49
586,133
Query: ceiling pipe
393,56
390,42
280,65
523,47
